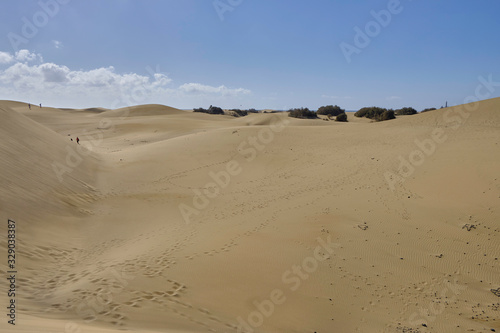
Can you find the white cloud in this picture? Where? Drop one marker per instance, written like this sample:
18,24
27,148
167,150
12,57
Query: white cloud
54,73
104,77
57,44
27,56
58,84
19,56
198,88
5,57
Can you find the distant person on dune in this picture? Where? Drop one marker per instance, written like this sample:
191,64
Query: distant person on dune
77,140
40,105
29,105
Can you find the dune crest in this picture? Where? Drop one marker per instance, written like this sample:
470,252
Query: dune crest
143,110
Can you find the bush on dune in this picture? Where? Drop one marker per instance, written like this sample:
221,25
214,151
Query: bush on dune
239,113
428,109
210,110
386,115
330,110
406,111
341,117
215,110
302,113
376,113
371,112
200,110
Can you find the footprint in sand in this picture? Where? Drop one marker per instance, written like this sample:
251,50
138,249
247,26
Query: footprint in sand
496,292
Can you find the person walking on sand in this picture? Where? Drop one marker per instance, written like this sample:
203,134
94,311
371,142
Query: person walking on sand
40,105
77,140
29,105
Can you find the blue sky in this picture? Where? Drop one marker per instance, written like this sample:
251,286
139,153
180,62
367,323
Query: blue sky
247,53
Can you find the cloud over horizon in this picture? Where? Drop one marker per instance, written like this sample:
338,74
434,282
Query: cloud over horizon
197,88
27,77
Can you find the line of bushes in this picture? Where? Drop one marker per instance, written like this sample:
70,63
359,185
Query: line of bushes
375,113
381,114
217,110
372,112
328,110
242,113
210,110
302,113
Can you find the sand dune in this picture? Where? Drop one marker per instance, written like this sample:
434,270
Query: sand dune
31,155
143,110
174,221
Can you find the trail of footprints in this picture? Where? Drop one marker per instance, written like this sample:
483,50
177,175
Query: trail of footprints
103,295
115,300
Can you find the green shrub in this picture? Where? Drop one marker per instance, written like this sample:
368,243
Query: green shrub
371,112
211,110
406,111
341,117
239,113
428,109
386,115
376,113
200,110
330,110
215,110
303,113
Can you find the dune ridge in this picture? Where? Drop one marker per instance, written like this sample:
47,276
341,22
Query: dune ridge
33,175
143,110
